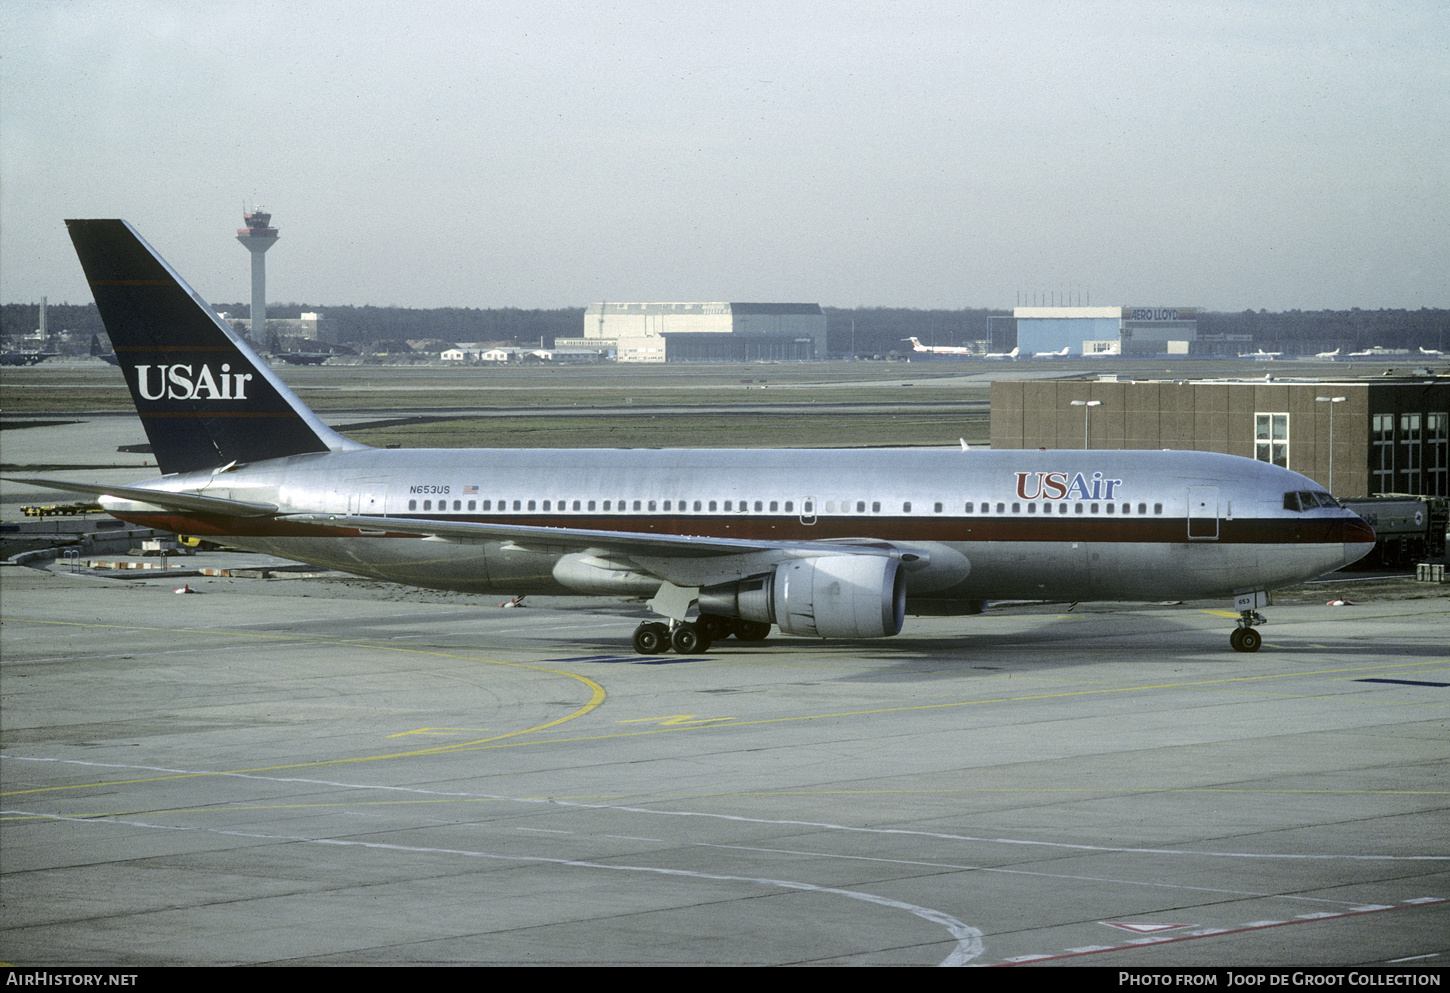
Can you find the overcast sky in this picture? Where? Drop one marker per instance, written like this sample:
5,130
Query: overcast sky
1255,154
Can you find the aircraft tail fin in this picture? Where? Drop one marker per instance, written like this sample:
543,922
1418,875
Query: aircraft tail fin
204,396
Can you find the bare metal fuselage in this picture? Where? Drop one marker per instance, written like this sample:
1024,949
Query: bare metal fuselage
975,524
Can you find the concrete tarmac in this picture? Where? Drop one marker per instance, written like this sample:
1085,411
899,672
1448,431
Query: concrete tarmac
316,771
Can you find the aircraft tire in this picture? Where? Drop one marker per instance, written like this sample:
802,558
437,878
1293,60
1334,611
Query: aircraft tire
688,639
751,630
1249,640
651,639
714,627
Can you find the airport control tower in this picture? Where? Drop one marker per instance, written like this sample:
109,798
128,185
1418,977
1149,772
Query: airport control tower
257,237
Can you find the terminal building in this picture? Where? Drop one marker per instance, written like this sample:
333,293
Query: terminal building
1354,437
704,332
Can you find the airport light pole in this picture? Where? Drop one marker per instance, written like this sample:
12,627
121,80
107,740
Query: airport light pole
1087,417
1331,401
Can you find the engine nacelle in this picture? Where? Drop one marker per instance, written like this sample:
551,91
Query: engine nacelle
831,596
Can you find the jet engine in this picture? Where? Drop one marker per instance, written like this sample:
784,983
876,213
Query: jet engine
832,596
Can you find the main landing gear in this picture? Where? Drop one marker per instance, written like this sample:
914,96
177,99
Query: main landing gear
1244,638
688,637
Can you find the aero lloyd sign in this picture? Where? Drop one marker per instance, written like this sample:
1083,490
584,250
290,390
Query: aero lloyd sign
1160,313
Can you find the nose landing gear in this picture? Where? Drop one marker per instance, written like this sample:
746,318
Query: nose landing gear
1244,638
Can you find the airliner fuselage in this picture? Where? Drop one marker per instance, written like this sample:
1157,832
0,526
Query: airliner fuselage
984,524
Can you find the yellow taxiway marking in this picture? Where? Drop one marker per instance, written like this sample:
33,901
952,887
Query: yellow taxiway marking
439,732
675,721
502,740
596,698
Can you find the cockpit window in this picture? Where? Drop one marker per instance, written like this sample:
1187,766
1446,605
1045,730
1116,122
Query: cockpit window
1308,500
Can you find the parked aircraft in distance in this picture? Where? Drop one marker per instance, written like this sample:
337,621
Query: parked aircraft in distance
304,358
1380,352
1327,355
1003,355
1432,353
24,358
831,543
1051,355
107,357
917,346
1260,355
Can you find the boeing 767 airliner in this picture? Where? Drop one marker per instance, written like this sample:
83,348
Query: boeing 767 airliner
830,543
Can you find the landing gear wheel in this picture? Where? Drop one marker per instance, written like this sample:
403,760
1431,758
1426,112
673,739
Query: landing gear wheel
687,639
714,627
651,639
1245,640
751,630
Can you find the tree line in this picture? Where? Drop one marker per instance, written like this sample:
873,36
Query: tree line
859,330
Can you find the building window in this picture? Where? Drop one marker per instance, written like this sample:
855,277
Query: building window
1271,438
1382,454
1410,453
1437,454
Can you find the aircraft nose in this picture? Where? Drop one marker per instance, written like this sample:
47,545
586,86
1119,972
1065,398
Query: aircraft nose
1359,539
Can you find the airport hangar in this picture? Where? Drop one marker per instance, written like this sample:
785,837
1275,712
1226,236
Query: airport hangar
704,332
1132,332
1389,435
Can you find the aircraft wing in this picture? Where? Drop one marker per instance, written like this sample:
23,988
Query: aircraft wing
634,543
193,502
680,560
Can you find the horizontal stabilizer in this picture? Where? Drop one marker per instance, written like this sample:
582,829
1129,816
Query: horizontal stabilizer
192,502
